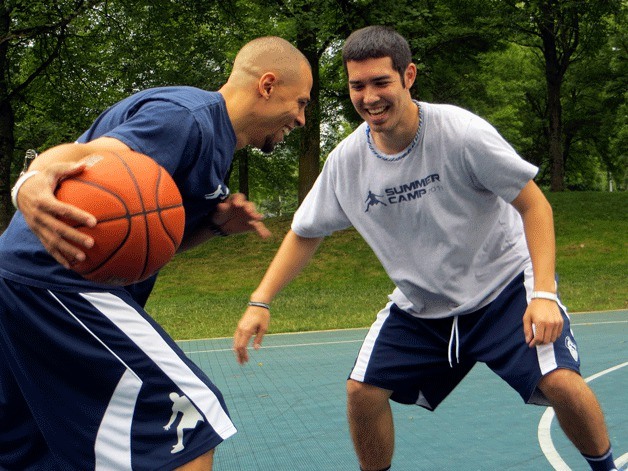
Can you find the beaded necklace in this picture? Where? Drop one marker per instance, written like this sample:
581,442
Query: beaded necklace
405,153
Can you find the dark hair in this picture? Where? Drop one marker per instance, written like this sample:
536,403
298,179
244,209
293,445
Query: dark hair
375,42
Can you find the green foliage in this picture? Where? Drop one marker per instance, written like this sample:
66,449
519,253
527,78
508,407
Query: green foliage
67,63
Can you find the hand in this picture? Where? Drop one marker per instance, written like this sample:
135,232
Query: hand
255,321
45,214
236,215
542,322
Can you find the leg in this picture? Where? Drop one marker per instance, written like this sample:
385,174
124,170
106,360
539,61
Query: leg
179,445
202,463
577,410
371,424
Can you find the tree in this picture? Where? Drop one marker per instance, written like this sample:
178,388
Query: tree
64,63
32,36
563,31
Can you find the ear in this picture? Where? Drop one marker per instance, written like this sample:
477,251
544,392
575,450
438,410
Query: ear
410,75
266,84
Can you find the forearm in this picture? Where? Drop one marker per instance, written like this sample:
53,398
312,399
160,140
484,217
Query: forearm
293,255
74,152
198,236
540,238
538,222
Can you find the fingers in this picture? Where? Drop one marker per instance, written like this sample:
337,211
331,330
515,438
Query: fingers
254,323
543,323
53,221
240,345
528,329
261,229
62,241
237,215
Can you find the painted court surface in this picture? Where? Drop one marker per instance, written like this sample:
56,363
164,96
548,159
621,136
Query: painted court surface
288,403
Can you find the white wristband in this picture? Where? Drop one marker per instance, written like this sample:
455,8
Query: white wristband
18,184
544,295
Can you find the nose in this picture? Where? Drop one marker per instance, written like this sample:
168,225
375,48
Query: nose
300,119
370,95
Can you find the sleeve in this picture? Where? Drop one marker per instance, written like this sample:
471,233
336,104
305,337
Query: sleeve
320,213
164,131
492,162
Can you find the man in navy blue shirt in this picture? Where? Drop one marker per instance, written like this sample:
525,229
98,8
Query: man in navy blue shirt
88,379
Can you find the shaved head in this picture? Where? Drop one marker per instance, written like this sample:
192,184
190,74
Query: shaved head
267,92
267,54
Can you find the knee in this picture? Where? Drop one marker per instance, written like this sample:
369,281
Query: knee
561,383
202,463
362,396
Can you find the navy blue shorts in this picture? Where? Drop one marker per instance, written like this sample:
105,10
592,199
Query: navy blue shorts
90,381
422,360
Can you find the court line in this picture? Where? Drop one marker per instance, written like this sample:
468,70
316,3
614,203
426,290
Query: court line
545,436
215,350
587,324
268,347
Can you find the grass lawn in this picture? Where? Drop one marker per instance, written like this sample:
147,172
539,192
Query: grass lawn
203,292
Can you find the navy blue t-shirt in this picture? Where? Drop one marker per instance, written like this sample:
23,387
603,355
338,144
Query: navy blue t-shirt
186,130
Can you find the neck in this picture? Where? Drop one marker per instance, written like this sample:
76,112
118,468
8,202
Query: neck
396,140
237,104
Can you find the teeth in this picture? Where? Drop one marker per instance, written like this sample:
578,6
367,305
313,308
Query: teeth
286,131
377,111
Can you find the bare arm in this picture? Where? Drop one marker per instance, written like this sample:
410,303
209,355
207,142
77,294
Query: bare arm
538,223
233,216
42,210
293,255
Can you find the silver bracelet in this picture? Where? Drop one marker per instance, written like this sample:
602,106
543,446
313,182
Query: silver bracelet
18,184
544,295
258,304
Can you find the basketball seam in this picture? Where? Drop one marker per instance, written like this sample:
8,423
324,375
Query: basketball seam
140,175
128,216
160,210
143,205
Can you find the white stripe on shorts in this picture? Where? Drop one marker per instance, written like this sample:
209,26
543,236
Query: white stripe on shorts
359,370
140,331
544,353
116,425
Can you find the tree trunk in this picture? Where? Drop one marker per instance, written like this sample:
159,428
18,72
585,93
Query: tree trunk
559,30
553,80
243,171
557,169
7,124
309,158
7,145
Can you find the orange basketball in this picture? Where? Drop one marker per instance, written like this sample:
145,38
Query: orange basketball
139,211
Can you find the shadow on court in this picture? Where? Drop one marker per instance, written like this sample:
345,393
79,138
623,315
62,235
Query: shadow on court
288,403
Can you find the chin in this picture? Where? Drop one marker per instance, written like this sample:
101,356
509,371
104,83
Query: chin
268,146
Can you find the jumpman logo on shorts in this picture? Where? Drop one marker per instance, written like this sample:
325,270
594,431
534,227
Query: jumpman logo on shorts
189,418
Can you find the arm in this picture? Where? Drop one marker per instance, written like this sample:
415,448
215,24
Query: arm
42,210
293,255
233,216
542,321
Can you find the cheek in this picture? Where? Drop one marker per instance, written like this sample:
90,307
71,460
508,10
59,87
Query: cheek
356,99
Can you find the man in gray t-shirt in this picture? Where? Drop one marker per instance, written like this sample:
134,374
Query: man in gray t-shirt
454,216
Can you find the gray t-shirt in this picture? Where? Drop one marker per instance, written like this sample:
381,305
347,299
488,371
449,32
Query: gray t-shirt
436,215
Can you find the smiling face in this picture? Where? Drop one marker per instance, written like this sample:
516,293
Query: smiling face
379,95
285,108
